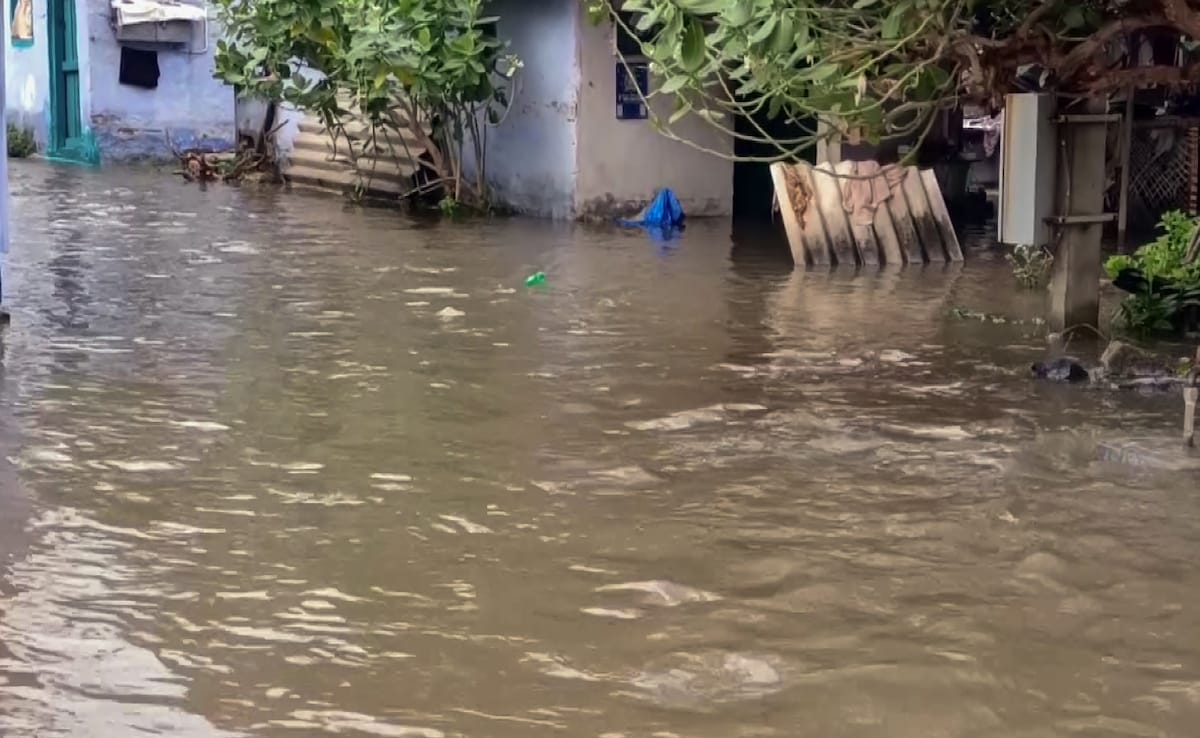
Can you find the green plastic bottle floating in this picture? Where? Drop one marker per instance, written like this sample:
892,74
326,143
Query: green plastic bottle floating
535,279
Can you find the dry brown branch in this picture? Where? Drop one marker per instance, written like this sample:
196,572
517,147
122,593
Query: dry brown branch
1146,77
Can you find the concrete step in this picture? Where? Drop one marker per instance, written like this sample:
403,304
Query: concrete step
401,171
311,126
357,131
325,179
305,146
318,145
321,160
345,179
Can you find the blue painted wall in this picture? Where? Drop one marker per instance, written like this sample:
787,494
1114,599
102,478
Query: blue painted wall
531,158
128,123
189,105
27,75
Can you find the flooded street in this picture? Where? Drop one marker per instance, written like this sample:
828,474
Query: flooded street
292,469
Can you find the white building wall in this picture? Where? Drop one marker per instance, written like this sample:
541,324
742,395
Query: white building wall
251,112
532,153
623,162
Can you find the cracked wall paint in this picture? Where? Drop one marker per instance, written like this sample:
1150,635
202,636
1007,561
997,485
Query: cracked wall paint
189,107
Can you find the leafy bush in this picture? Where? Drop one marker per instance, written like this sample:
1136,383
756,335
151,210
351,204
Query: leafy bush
20,142
1164,284
1147,314
1163,258
1117,264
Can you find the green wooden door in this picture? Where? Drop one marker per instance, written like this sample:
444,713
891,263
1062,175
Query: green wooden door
66,123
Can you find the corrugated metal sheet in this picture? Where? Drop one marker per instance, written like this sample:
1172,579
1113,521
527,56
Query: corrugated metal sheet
380,167
910,226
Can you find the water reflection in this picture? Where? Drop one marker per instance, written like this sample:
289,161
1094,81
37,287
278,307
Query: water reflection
299,469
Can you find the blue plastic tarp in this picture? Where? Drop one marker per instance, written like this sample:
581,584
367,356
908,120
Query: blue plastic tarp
663,217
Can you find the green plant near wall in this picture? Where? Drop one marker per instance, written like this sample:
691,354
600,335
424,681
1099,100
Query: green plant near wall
1031,265
21,143
1166,256
426,67
1167,277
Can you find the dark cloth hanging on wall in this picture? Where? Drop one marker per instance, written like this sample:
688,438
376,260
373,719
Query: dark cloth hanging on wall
139,68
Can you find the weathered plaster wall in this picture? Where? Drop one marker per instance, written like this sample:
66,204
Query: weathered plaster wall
623,162
531,158
250,113
189,105
27,75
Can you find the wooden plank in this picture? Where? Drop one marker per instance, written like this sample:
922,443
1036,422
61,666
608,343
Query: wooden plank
828,201
809,245
885,232
1190,396
906,229
791,224
815,240
864,233
941,216
918,209
865,241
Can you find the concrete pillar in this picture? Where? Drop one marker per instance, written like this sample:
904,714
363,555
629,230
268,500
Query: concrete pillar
1075,286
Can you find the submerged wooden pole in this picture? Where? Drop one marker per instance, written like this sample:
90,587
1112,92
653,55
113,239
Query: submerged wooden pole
1126,151
1190,395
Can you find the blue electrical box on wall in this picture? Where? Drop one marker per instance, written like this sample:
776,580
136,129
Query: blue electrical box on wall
633,85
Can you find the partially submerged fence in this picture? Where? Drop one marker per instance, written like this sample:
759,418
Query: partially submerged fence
862,214
1164,162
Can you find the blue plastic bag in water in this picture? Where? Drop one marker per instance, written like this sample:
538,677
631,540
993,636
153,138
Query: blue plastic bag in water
663,218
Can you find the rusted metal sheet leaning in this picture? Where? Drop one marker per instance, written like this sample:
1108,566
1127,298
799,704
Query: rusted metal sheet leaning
864,214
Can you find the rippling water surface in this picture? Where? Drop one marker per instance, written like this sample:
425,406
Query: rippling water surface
295,470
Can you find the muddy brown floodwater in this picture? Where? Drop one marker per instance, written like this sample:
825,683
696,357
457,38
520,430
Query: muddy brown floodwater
293,469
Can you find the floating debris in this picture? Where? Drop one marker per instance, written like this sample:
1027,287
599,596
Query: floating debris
963,313
663,593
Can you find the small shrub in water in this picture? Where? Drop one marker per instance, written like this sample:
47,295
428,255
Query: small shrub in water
20,142
1031,265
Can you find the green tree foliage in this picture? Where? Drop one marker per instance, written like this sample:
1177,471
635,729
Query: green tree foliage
884,66
428,66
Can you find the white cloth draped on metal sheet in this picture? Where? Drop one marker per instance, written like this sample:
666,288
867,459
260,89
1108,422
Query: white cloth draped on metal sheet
132,12
868,186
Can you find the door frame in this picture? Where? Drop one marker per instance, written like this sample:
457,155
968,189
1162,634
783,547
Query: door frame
59,145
